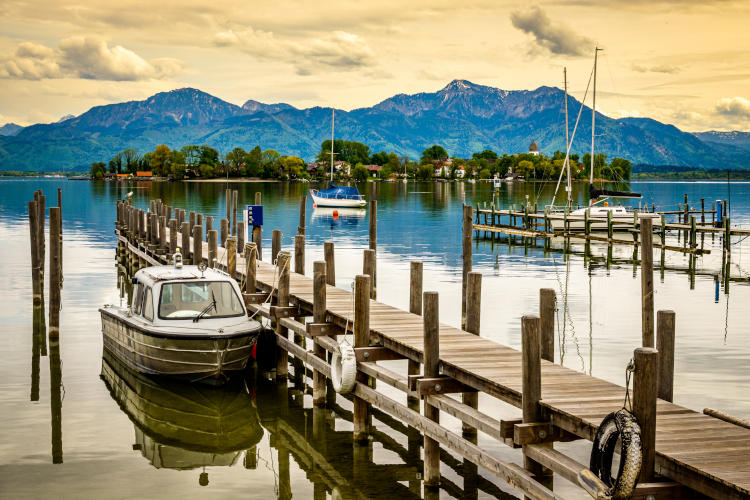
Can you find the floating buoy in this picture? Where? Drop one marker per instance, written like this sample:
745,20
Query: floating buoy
623,425
343,369
335,214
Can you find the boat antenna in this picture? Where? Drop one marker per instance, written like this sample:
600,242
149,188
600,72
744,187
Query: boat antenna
593,120
332,118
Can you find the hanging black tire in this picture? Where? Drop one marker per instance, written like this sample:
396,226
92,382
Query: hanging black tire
619,424
265,350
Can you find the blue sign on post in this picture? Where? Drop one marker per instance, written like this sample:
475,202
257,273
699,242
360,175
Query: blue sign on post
254,215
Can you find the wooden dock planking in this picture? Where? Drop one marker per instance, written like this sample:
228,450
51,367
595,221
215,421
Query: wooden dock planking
699,451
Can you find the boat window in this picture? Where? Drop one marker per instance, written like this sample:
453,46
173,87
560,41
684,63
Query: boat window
148,305
187,299
137,298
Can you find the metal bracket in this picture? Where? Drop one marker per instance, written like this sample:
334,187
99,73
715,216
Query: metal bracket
540,432
254,298
441,385
364,354
284,311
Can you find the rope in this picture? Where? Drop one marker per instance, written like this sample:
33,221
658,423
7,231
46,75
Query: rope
351,310
628,374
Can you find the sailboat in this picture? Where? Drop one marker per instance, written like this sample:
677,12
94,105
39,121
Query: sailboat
337,196
621,218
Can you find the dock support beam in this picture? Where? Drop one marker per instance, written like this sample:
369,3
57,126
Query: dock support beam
644,405
374,245
361,339
319,316
431,369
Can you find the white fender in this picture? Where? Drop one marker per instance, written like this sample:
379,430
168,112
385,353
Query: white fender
343,369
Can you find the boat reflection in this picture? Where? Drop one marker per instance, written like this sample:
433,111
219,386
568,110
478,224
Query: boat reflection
338,216
182,426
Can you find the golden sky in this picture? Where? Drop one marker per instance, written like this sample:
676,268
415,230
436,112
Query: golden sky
681,62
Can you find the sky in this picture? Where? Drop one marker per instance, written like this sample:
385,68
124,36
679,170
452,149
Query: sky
683,62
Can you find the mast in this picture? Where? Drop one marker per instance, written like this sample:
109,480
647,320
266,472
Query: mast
567,140
593,118
332,118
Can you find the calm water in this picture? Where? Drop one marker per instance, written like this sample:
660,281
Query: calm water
114,432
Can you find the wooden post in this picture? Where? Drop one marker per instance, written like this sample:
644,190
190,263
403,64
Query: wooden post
586,223
531,382
232,256
703,211
54,272
299,254
547,301
319,316
228,200
663,229
282,300
647,283
727,235
185,230
330,265
415,307
368,268
644,405
609,224
191,219
302,214
199,220
172,236
251,266
59,205
693,239
36,285
374,246
212,248
162,233
240,234
275,244
468,218
209,225
361,339
665,327
224,229
234,212
431,369
198,245
473,313
258,231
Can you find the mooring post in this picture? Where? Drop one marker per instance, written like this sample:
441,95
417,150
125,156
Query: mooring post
224,231
361,339
54,272
319,316
59,205
368,268
302,214
665,328
240,234
330,265
162,233
191,219
172,236
282,300
586,223
374,245
185,231
209,225
275,244
693,233
466,250
36,286
299,254
547,302
199,219
415,307
228,202
703,211
154,227
609,224
644,405
251,266
727,235
213,250
232,257
647,283
532,387
198,245
431,332
41,222
235,195
473,313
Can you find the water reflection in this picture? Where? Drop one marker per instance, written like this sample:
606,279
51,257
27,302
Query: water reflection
56,397
338,217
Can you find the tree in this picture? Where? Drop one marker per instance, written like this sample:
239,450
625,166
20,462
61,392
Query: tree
294,166
433,153
192,155
352,152
115,164
208,155
130,159
253,166
620,168
379,158
178,165
425,172
270,160
487,154
160,162
236,159
360,173
207,171
484,174
98,169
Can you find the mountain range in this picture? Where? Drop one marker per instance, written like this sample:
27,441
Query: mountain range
463,117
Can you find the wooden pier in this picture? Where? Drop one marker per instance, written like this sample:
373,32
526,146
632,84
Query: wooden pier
684,452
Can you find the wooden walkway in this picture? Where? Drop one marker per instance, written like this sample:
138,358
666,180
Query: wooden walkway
706,454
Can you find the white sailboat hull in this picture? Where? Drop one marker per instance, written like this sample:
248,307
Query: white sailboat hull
622,221
337,202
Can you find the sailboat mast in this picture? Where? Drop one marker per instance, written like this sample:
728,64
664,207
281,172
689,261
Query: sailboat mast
332,118
567,140
593,117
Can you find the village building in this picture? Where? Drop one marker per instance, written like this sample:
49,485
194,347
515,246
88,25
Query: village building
533,148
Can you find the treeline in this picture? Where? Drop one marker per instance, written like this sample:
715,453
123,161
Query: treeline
667,172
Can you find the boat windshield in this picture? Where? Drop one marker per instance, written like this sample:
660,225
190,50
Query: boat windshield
187,299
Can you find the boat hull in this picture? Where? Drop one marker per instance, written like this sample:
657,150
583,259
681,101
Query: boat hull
338,202
211,358
619,223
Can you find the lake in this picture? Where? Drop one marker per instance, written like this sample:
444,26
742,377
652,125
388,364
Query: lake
113,432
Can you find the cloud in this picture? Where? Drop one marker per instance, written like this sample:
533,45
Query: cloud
734,107
557,38
83,57
658,68
338,50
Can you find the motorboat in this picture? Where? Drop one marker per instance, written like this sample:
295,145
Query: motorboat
184,321
622,219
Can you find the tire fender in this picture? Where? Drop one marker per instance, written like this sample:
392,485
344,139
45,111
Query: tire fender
343,369
623,425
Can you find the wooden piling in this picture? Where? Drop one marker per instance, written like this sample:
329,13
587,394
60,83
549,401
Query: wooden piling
163,233
415,307
319,316
240,234
231,247
299,254
209,225
154,225
36,285
213,249
172,236
647,283
191,220
199,219
41,222
282,300
547,300
59,205
224,230
275,243
185,231
468,217
361,339
198,245
431,369
665,329
531,380
644,405
330,264
374,245
234,212
251,267
258,231
609,224
302,214
368,268
228,202
473,313
54,272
